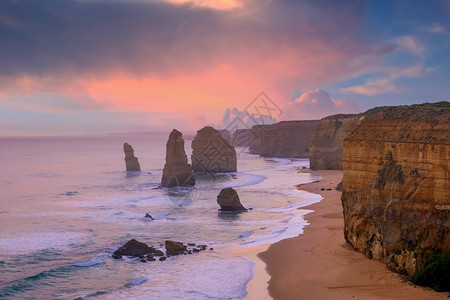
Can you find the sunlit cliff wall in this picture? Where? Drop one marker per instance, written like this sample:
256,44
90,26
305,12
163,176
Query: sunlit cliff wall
396,184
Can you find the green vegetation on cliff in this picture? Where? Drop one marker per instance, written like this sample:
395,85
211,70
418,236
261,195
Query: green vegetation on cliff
435,273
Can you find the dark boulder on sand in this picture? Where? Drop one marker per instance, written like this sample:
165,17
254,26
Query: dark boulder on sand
228,200
133,248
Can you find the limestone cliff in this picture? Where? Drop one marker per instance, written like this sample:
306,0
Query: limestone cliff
325,146
396,185
177,171
283,139
286,139
131,162
212,153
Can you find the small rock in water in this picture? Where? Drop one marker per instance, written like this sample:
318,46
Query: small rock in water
210,249
174,248
196,250
143,260
71,193
228,200
150,257
158,253
133,248
163,258
148,216
116,256
191,244
322,189
201,247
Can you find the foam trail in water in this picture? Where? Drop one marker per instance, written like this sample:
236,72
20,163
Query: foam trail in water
137,281
92,262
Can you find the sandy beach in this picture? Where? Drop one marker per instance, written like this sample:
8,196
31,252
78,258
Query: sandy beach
320,265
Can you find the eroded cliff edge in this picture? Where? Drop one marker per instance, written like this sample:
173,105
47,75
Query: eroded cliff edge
326,144
396,185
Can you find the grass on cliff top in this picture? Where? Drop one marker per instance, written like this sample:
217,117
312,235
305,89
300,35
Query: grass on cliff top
435,273
387,109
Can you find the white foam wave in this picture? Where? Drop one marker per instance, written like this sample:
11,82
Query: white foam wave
137,281
92,262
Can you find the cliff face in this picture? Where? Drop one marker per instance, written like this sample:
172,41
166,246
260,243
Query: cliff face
286,139
131,162
212,153
396,185
250,138
326,144
177,171
283,139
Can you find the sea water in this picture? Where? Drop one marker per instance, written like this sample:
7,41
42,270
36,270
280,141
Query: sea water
66,204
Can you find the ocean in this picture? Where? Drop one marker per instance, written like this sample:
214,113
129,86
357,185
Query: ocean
66,204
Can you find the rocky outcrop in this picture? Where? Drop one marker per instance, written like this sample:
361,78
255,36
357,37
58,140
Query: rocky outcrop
327,141
174,248
177,171
228,200
396,185
148,254
133,248
211,152
283,139
131,161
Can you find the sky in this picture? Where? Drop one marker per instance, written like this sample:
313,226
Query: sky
98,66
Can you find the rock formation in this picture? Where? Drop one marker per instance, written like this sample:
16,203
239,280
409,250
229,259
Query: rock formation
133,248
174,248
177,171
131,161
212,153
326,144
283,139
396,185
146,253
228,200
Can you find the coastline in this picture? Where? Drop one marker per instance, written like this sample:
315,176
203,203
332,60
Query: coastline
319,264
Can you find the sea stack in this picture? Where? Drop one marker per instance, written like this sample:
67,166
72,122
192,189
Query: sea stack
211,152
228,200
396,185
177,171
131,161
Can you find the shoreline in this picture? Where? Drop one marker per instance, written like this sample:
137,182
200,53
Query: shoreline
319,264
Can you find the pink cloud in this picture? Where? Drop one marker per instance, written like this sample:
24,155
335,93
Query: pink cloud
183,60
316,104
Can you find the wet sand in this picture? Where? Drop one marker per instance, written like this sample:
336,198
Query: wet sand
319,264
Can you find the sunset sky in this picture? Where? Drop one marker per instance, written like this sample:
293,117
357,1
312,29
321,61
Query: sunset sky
93,66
